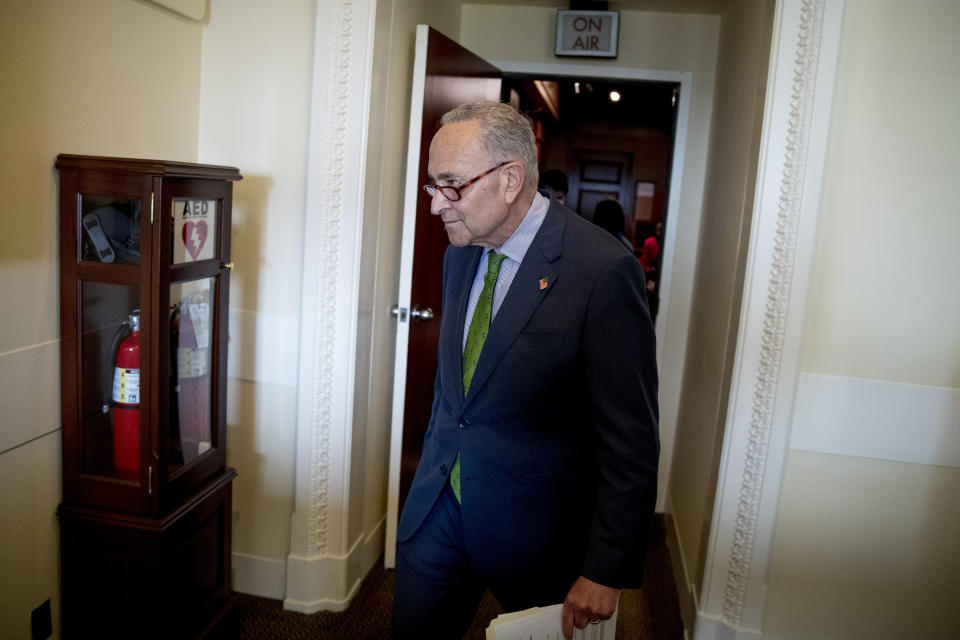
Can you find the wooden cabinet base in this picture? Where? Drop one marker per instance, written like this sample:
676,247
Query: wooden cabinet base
126,576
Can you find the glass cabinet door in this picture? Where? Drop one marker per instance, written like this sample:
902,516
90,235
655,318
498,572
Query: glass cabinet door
192,313
110,369
194,241
110,230
109,266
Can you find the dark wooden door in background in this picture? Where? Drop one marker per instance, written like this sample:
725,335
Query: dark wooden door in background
600,175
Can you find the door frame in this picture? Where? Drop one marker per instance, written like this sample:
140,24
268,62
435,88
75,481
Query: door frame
685,80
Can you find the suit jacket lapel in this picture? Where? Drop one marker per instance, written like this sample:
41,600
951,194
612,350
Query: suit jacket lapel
524,296
463,267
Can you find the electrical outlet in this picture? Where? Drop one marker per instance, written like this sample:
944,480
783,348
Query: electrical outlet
41,626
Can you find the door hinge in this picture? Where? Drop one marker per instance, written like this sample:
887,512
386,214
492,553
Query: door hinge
151,207
150,480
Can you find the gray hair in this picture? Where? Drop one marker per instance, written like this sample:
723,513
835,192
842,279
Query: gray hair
505,134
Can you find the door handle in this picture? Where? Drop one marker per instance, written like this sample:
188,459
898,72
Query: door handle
426,313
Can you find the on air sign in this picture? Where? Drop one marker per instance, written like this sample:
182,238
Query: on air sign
588,33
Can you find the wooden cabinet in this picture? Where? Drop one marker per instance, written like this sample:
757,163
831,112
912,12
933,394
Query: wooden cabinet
144,283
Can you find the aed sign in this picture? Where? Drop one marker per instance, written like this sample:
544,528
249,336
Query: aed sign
588,33
194,230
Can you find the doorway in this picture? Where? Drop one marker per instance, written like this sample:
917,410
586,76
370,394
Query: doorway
409,309
613,139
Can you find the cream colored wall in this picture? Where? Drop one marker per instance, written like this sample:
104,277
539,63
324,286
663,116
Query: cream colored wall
661,41
864,549
254,114
885,302
29,534
864,546
731,174
102,77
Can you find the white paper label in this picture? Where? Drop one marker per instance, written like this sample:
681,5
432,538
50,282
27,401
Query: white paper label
200,317
191,363
126,385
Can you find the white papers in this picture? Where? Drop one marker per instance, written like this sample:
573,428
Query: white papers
545,623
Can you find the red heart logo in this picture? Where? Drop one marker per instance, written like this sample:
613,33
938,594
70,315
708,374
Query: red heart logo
194,236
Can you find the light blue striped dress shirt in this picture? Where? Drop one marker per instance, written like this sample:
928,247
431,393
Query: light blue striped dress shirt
515,248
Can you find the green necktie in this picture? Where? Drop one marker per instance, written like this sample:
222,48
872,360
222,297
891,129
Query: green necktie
476,335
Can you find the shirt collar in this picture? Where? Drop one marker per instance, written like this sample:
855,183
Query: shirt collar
515,248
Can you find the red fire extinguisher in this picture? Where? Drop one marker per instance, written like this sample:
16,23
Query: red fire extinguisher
125,409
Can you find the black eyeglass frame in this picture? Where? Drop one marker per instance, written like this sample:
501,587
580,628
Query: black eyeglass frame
446,190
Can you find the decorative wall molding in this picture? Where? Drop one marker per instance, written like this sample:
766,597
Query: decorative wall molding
320,532
797,113
329,582
877,419
334,135
778,298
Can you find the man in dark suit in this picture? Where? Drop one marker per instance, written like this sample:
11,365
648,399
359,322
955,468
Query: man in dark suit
539,466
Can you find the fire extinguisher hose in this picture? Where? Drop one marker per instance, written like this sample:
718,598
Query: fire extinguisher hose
108,371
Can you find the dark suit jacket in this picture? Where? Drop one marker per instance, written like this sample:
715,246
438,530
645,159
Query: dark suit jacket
558,434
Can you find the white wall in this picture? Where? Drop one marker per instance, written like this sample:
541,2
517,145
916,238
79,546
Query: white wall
100,77
658,41
254,114
866,539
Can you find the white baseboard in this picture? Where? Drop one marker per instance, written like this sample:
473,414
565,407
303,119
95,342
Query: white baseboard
685,594
696,624
707,628
327,582
258,576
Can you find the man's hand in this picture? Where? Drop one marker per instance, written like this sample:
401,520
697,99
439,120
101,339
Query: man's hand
587,602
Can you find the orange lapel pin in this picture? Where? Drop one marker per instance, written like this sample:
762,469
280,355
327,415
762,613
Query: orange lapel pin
543,283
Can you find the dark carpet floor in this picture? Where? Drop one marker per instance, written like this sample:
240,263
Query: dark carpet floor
649,613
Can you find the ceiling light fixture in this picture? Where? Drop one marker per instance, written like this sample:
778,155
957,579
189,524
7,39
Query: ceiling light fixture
614,96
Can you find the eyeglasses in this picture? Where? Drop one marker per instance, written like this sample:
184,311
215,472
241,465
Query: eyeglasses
452,193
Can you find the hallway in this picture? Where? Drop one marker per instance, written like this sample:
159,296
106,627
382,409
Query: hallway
649,613
810,352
